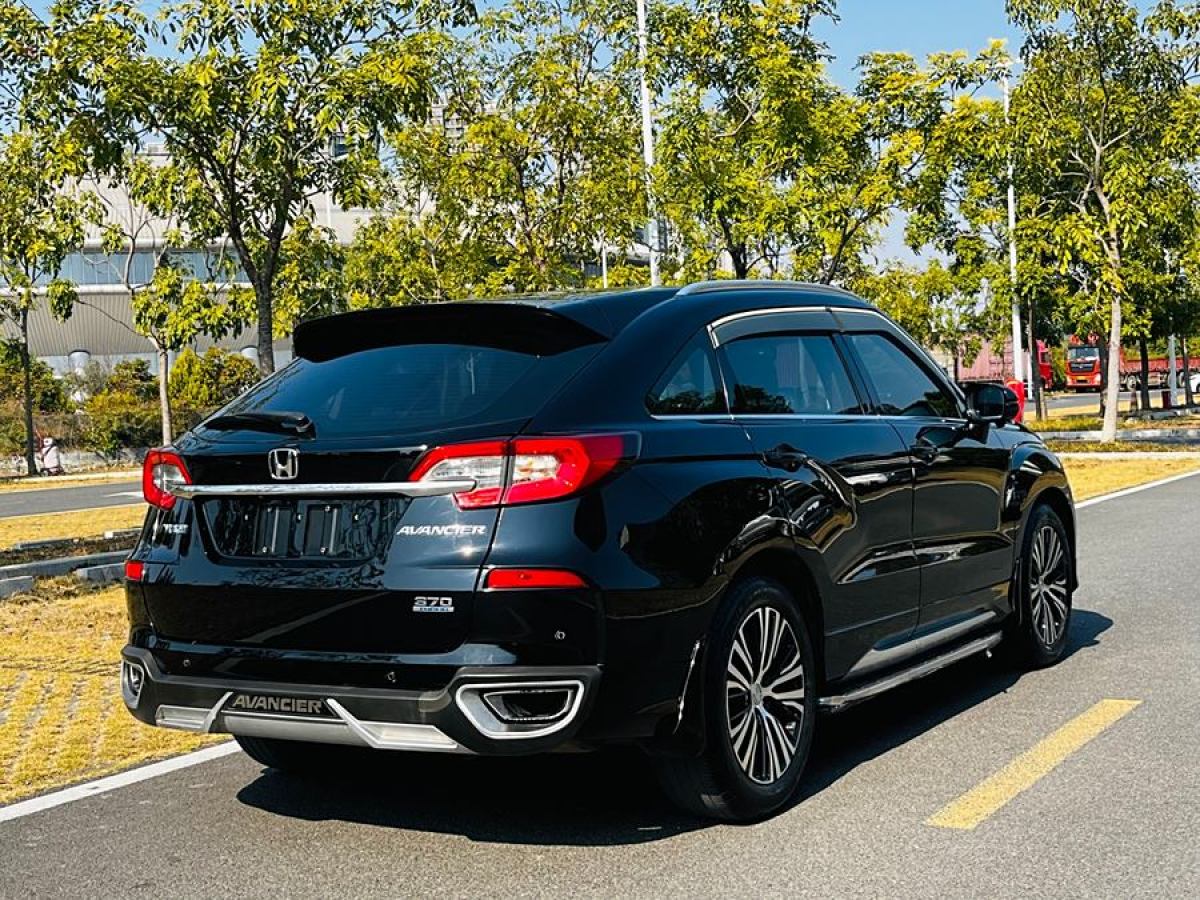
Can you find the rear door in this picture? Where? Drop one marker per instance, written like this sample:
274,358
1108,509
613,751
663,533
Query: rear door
842,477
960,473
290,563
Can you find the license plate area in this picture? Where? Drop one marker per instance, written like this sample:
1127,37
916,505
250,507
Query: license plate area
302,529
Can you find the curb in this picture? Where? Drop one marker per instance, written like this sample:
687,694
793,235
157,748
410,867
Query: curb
63,565
15,585
105,574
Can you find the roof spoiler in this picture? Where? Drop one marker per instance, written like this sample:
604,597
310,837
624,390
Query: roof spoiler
519,327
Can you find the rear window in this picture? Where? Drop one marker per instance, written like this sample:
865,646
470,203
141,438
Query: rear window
413,386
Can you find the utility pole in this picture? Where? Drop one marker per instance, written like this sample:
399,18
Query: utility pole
1018,360
647,145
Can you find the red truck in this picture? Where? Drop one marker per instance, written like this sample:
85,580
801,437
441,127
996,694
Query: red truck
992,366
1083,368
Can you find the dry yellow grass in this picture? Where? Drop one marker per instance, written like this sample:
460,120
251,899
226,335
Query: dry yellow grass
64,481
80,523
1093,477
61,715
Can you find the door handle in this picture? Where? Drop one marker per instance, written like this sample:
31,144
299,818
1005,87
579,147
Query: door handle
924,450
785,457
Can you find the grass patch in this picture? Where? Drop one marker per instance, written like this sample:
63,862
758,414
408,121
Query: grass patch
1093,477
1095,423
63,481
1059,446
79,523
61,715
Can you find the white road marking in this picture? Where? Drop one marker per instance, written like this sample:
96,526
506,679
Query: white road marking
125,494
112,782
1134,490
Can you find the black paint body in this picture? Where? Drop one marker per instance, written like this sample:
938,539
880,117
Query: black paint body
897,533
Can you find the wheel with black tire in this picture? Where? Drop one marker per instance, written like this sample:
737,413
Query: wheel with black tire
1038,635
760,704
297,757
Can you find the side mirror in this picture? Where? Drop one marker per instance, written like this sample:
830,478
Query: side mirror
993,404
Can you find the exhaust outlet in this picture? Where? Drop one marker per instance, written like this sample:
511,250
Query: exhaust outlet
528,705
520,710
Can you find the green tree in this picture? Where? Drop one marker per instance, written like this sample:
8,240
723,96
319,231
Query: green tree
201,384
261,105
1106,118
42,219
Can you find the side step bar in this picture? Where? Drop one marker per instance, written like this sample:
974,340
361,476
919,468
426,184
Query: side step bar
838,702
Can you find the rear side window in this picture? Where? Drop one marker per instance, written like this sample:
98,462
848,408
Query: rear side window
902,386
689,386
790,374
414,386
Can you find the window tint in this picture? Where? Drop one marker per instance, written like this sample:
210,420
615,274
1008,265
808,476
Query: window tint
789,373
903,387
690,385
413,386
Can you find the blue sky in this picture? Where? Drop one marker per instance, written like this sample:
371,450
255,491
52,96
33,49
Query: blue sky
918,27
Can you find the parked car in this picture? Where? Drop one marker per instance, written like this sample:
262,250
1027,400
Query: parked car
686,519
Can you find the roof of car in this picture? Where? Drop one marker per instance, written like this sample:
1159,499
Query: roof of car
616,308
582,317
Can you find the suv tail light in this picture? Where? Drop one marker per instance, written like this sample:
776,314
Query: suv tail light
161,471
526,470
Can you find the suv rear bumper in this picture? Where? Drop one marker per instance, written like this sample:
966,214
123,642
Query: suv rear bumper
469,715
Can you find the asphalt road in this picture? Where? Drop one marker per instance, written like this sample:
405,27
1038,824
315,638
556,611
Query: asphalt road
62,499
1118,818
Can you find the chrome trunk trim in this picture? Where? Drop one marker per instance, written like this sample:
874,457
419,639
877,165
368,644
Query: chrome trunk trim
404,488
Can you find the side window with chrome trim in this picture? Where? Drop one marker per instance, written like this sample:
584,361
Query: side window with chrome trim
901,385
782,374
690,385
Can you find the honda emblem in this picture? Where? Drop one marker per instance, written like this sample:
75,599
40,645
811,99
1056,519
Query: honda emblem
284,463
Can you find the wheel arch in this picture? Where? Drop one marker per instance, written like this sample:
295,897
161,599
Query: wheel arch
793,573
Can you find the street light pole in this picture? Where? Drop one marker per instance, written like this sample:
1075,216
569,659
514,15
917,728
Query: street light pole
647,145
1018,361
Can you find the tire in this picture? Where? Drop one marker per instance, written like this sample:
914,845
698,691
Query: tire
756,742
1042,591
295,757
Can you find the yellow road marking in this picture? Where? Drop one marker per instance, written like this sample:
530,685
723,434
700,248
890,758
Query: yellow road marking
977,804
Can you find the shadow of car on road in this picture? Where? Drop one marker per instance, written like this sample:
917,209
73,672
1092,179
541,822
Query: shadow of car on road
611,798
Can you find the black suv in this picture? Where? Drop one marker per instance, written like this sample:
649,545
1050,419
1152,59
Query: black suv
686,519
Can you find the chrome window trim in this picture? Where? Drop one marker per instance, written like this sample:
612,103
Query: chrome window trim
753,313
404,488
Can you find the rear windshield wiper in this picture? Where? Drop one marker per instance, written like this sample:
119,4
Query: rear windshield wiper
287,422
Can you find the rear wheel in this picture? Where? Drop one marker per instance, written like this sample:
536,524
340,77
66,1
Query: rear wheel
1043,591
296,757
759,706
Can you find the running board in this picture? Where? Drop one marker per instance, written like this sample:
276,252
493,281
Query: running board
838,702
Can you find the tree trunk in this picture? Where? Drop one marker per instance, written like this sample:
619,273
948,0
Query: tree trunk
164,398
266,328
1112,389
1188,399
1144,378
27,371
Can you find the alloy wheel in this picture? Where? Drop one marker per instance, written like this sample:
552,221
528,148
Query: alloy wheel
1048,599
764,695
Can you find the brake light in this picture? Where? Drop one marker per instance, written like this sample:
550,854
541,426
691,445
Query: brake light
134,570
526,470
521,579
161,471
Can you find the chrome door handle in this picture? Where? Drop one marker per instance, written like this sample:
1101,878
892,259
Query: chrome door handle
785,457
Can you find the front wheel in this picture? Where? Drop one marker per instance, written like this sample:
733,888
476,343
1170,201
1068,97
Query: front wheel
1042,591
760,703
